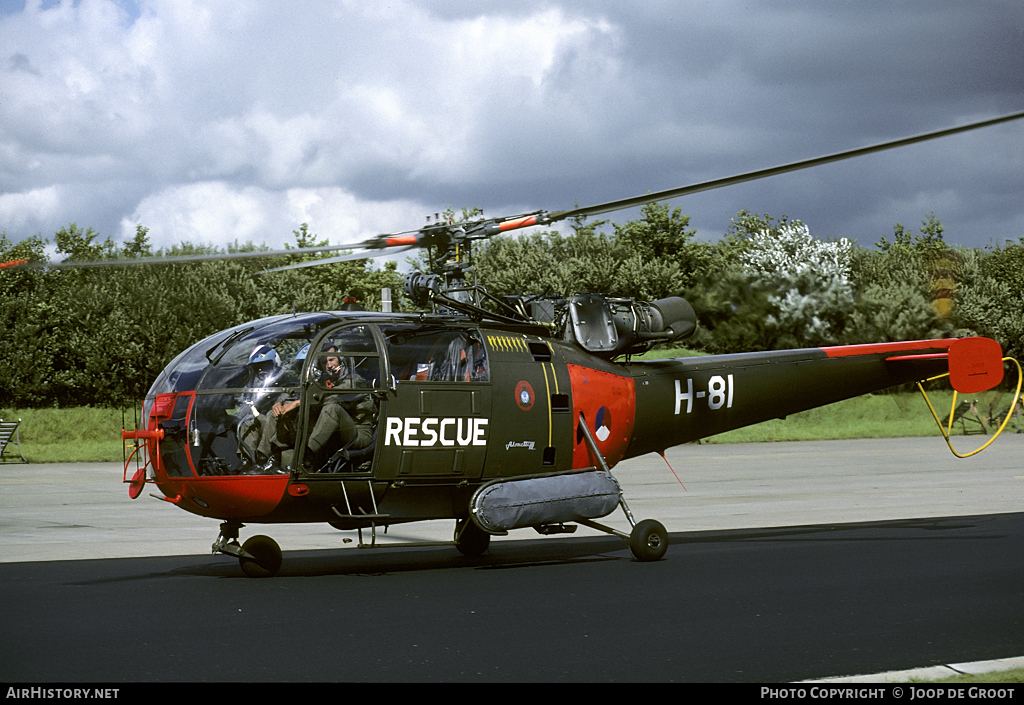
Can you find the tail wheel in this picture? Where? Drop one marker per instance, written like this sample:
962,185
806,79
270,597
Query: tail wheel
266,557
648,541
470,539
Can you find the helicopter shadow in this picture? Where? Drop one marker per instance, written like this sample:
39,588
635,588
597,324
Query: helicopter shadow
565,551
379,561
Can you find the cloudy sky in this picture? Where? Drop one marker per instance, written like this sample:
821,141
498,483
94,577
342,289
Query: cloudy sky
218,121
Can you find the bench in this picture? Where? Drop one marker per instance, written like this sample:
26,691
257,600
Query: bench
9,429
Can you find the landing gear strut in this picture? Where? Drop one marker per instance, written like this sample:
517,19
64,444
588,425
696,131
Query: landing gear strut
470,539
259,556
648,540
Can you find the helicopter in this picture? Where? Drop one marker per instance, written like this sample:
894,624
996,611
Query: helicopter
497,413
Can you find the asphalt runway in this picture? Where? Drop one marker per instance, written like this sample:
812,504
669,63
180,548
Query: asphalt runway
788,561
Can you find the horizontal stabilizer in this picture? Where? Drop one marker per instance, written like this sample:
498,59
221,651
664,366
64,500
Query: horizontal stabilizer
975,364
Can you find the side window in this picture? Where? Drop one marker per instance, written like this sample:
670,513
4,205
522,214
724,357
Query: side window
458,357
432,355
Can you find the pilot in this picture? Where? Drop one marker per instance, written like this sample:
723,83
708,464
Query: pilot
264,368
342,420
263,365
280,423
333,372
345,420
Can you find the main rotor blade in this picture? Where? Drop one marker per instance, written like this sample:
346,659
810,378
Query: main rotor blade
341,258
374,243
773,171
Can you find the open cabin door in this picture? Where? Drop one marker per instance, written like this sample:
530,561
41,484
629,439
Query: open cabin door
344,380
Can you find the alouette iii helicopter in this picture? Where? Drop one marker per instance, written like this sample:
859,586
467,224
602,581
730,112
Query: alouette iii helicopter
499,414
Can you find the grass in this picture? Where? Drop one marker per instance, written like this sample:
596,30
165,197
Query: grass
79,435
873,416
1011,675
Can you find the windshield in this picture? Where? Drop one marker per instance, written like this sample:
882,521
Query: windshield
223,389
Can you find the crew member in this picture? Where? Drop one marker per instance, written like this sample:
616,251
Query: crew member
264,369
345,420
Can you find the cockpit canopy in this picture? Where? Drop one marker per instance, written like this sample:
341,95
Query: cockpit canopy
214,399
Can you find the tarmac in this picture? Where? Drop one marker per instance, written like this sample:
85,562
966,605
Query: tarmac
82,511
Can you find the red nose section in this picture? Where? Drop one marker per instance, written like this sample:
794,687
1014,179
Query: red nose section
227,497
975,365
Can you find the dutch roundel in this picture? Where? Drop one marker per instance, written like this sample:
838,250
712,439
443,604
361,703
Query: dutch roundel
603,424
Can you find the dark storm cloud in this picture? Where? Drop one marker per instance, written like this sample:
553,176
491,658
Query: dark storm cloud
212,122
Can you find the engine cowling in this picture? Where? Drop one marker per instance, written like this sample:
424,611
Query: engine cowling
609,327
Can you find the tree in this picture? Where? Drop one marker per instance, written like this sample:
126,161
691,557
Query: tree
516,265
1006,264
22,311
138,246
990,298
101,336
783,287
904,287
930,238
647,259
662,241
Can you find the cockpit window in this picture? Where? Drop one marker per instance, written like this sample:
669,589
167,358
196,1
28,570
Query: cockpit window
275,346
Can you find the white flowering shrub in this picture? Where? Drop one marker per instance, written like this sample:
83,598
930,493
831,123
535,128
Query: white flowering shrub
810,279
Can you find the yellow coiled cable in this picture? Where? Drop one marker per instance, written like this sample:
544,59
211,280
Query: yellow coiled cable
946,431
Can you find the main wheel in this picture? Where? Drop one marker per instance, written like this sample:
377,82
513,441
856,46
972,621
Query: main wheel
266,557
648,541
470,539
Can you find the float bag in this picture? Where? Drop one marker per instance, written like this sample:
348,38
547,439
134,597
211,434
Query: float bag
513,504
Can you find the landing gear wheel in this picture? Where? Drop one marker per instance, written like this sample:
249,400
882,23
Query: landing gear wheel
470,539
648,541
266,557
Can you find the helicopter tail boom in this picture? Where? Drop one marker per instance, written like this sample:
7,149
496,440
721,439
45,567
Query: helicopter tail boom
686,399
